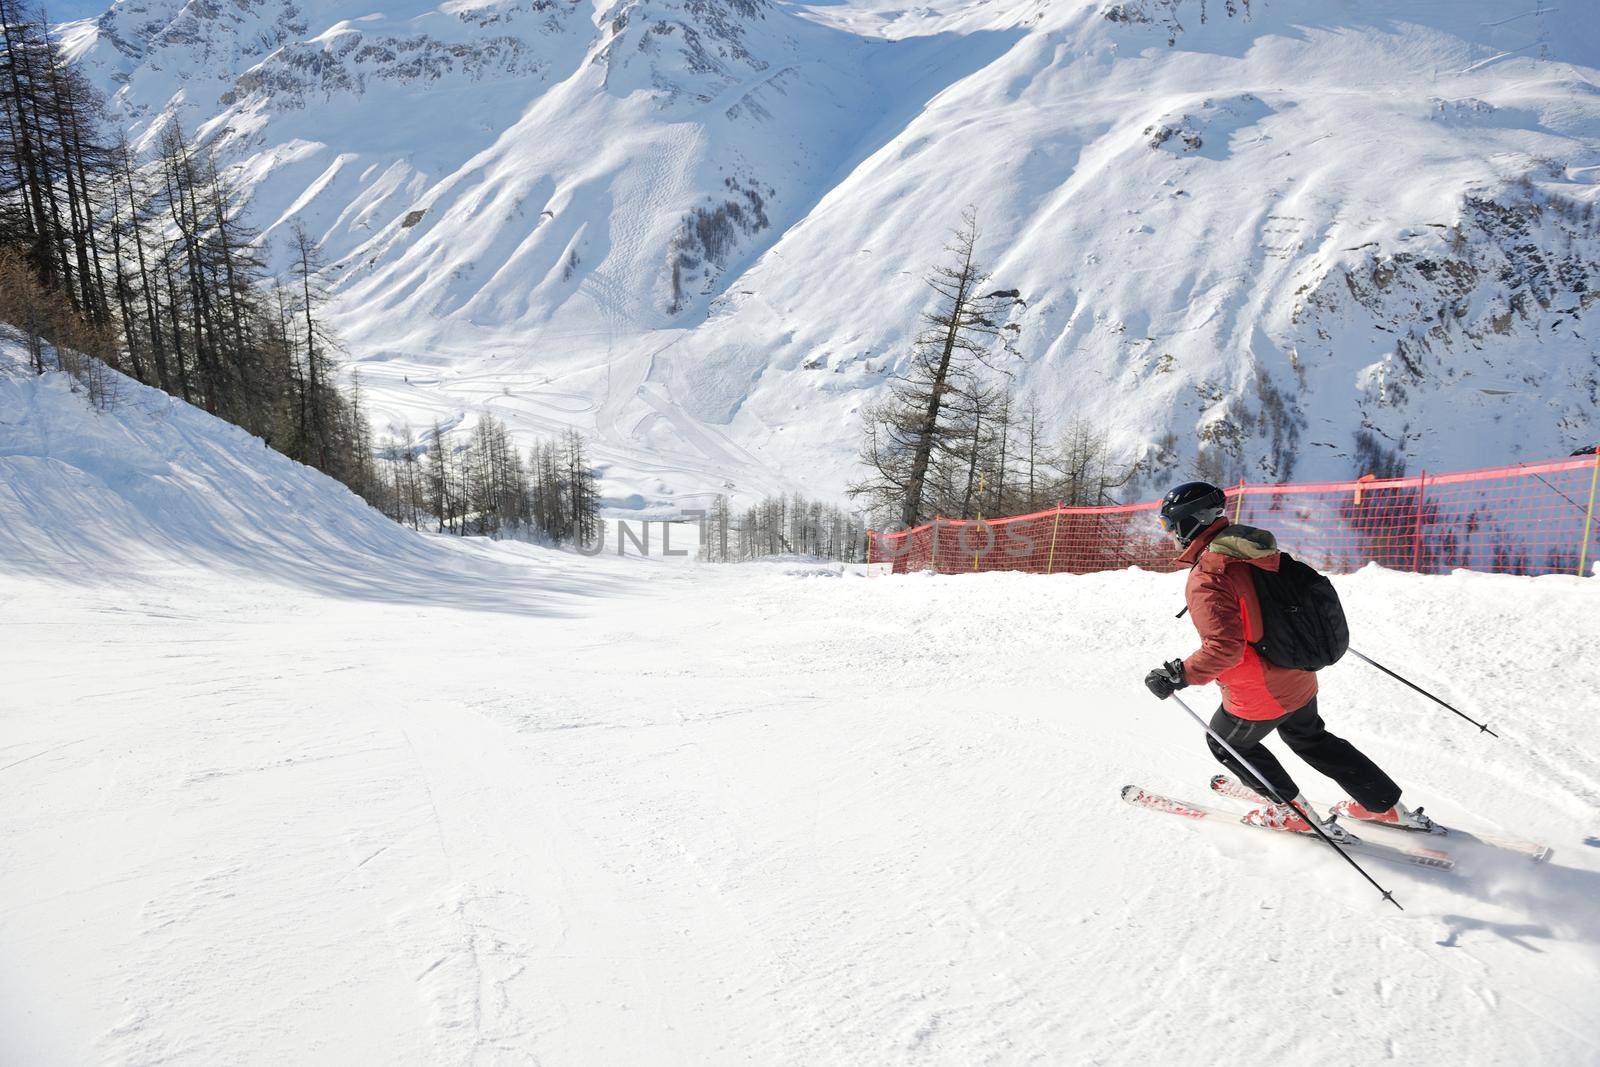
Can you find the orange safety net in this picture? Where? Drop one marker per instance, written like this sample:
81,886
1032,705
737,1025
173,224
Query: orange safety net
1533,518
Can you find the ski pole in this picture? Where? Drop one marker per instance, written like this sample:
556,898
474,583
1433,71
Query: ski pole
1413,685
1259,777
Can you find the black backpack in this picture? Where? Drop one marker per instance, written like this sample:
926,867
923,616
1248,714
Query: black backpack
1302,621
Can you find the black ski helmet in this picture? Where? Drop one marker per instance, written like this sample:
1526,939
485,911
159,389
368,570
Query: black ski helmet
1189,508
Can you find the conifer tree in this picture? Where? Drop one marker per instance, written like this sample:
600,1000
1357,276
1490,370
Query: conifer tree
931,409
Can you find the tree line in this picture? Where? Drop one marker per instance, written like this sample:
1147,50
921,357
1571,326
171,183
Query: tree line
478,483
779,526
144,263
953,438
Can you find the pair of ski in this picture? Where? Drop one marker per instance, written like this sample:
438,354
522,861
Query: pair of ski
1422,857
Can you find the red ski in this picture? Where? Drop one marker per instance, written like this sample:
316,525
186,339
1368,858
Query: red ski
1421,857
1350,810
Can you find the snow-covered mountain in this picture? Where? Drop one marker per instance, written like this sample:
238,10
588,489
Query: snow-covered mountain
1307,238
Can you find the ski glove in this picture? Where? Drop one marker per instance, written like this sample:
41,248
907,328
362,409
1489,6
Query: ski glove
1166,679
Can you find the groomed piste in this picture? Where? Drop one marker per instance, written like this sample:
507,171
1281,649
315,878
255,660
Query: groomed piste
285,783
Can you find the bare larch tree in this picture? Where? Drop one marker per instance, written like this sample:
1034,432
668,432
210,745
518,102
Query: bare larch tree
931,407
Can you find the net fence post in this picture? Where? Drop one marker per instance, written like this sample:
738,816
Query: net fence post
1416,534
1050,566
1238,502
1588,518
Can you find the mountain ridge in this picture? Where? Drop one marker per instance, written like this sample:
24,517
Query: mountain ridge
695,230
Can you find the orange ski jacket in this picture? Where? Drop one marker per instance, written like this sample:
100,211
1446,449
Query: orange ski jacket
1222,604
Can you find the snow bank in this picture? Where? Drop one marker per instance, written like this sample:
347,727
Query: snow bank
155,483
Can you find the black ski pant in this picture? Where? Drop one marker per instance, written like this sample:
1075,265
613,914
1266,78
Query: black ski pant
1303,731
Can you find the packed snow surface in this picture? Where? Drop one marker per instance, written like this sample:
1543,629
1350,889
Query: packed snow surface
423,801
1308,239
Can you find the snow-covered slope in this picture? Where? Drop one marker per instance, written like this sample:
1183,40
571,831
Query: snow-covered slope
287,784
1307,237
154,484
761,814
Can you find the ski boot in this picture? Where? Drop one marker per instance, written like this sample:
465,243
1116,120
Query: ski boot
1284,817
1399,816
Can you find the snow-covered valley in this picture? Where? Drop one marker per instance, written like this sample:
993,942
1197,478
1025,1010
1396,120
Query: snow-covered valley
386,797
1287,238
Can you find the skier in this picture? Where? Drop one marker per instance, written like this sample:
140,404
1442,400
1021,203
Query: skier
1258,696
